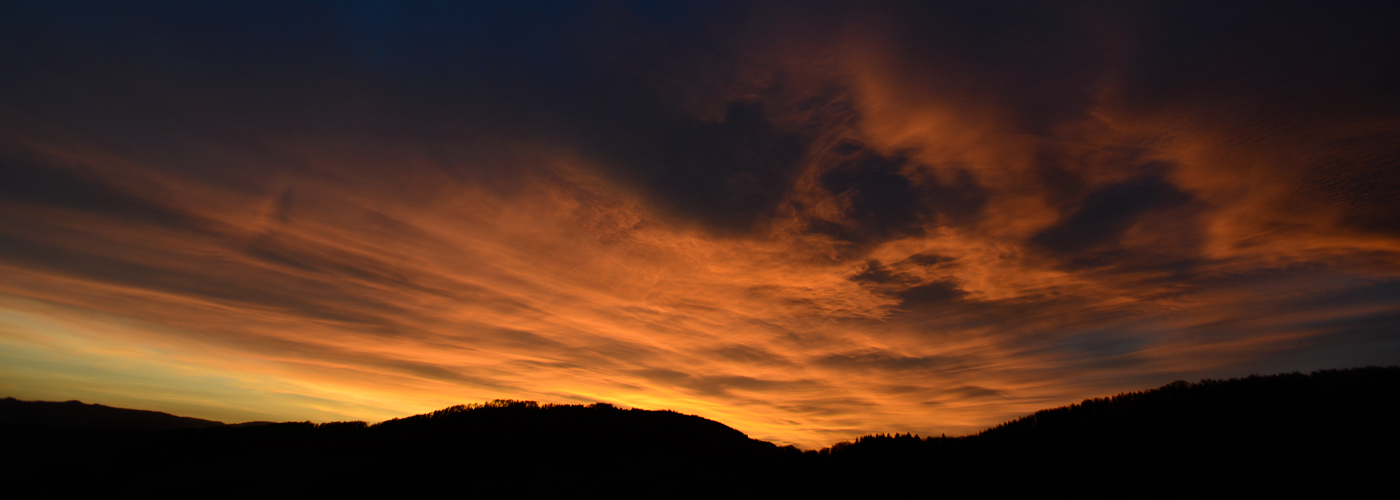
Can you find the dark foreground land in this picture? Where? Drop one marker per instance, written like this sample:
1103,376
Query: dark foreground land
1327,432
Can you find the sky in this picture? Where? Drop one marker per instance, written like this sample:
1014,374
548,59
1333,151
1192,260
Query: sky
807,220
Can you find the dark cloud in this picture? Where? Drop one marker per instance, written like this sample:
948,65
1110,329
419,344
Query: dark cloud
974,392
889,196
728,174
959,203
457,82
876,273
51,187
1352,293
930,295
928,259
1106,213
882,201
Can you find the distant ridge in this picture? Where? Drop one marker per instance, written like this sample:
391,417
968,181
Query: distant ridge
1239,437
76,414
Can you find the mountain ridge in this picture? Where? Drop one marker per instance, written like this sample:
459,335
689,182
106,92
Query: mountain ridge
1261,433
77,414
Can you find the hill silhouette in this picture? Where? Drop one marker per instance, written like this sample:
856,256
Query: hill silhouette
75,414
501,446
1331,429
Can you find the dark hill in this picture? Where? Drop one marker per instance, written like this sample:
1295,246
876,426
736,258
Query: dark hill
497,446
75,414
1331,430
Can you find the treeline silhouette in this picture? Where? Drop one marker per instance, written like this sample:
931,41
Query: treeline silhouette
1274,434
1334,430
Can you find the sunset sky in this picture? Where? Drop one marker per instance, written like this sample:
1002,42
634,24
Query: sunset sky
807,220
